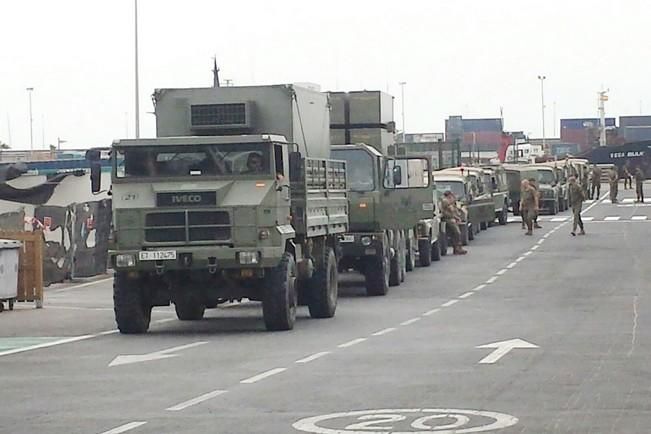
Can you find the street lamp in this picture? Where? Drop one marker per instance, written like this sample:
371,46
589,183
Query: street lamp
402,101
136,71
31,119
542,97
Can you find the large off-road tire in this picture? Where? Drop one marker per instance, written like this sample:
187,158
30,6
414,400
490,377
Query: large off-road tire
425,252
411,254
280,298
395,276
377,275
503,218
132,309
483,226
323,287
189,308
435,250
471,231
465,234
443,243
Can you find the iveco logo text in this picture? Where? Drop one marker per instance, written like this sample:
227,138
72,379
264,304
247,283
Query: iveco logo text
187,198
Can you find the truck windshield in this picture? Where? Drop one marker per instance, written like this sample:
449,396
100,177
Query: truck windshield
193,160
455,187
546,177
359,168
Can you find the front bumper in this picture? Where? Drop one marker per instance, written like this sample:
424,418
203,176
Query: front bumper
202,258
352,246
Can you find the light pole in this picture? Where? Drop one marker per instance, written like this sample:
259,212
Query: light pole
136,71
542,97
402,101
31,119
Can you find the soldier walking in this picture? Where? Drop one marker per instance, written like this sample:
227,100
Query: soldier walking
627,178
576,196
528,205
534,185
613,179
451,215
639,184
596,183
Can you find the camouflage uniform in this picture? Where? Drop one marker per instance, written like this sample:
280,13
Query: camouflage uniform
576,196
627,178
450,214
596,183
613,179
528,207
639,184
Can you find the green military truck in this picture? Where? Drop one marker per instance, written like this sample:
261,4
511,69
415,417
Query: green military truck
561,184
236,198
497,184
388,197
479,197
515,174
548,187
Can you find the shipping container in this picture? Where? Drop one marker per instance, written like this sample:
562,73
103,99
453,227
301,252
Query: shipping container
636,133
634,121
338,136
379,138
338,110
582,123
493,125
370,108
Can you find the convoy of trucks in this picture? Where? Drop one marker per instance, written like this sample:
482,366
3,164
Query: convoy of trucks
261,193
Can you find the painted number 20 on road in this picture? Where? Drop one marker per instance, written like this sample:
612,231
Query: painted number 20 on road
406,421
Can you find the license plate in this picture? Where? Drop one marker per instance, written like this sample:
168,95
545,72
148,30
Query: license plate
157,255
348,239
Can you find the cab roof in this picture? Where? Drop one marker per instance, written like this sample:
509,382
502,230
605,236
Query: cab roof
201,140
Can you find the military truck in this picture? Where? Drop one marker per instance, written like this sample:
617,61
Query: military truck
515,174
236,198
561,181
548,187
387,199
479,198
461,186
499,189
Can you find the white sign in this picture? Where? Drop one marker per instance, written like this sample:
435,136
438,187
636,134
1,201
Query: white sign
407,421
503,348
157,255
157,355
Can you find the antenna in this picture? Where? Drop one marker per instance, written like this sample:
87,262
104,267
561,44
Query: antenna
215,72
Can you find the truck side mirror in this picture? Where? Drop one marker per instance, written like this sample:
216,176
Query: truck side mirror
295,166
397,175
94,157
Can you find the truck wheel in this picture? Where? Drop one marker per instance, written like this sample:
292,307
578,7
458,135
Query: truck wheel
516,208
465,235
504,215
483,226
471,231
425,252
132,311
443,242
436,250
411,254
395,276
324,288
377,276
555,208
279,300
189,308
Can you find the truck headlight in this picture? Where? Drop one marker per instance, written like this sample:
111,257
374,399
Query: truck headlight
248,258
263,234
366,240
125,260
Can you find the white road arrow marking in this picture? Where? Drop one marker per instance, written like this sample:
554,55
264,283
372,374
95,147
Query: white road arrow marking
503,348
156,355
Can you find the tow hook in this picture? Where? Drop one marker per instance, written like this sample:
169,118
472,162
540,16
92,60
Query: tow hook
160,268
212,265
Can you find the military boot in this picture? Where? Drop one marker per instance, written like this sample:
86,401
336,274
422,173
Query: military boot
458,250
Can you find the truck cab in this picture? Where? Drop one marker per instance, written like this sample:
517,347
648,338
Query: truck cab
548,187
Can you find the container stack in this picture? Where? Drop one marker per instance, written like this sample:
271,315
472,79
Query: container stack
362,117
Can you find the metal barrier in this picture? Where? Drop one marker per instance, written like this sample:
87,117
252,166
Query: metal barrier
30,271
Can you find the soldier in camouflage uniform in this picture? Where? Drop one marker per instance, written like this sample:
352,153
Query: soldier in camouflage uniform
528,205
534,185
595,192
577,196
639,184
451,215
613,180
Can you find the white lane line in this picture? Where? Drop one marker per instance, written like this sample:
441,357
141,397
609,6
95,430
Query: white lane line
82,285
479,287
262,376
351,343
466,295
612,218
197,400
540,241
432,312
410,321
628,200
492,280
559,219
502,271
450,303
313,357
520,259
511,265
535,247
527,253
385,331
639,217
548,234
124,428
587,219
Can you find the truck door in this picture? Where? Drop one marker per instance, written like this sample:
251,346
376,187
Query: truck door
407,190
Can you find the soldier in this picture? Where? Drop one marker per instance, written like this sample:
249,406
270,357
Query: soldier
627,177
585,184
596,182
639,184
613,179
534,185
576,196
450,214
528,205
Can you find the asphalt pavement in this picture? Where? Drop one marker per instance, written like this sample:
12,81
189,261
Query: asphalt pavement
542,334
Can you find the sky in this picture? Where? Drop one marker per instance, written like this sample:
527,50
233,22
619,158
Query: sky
457,57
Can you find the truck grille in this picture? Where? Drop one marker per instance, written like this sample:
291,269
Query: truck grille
187,227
